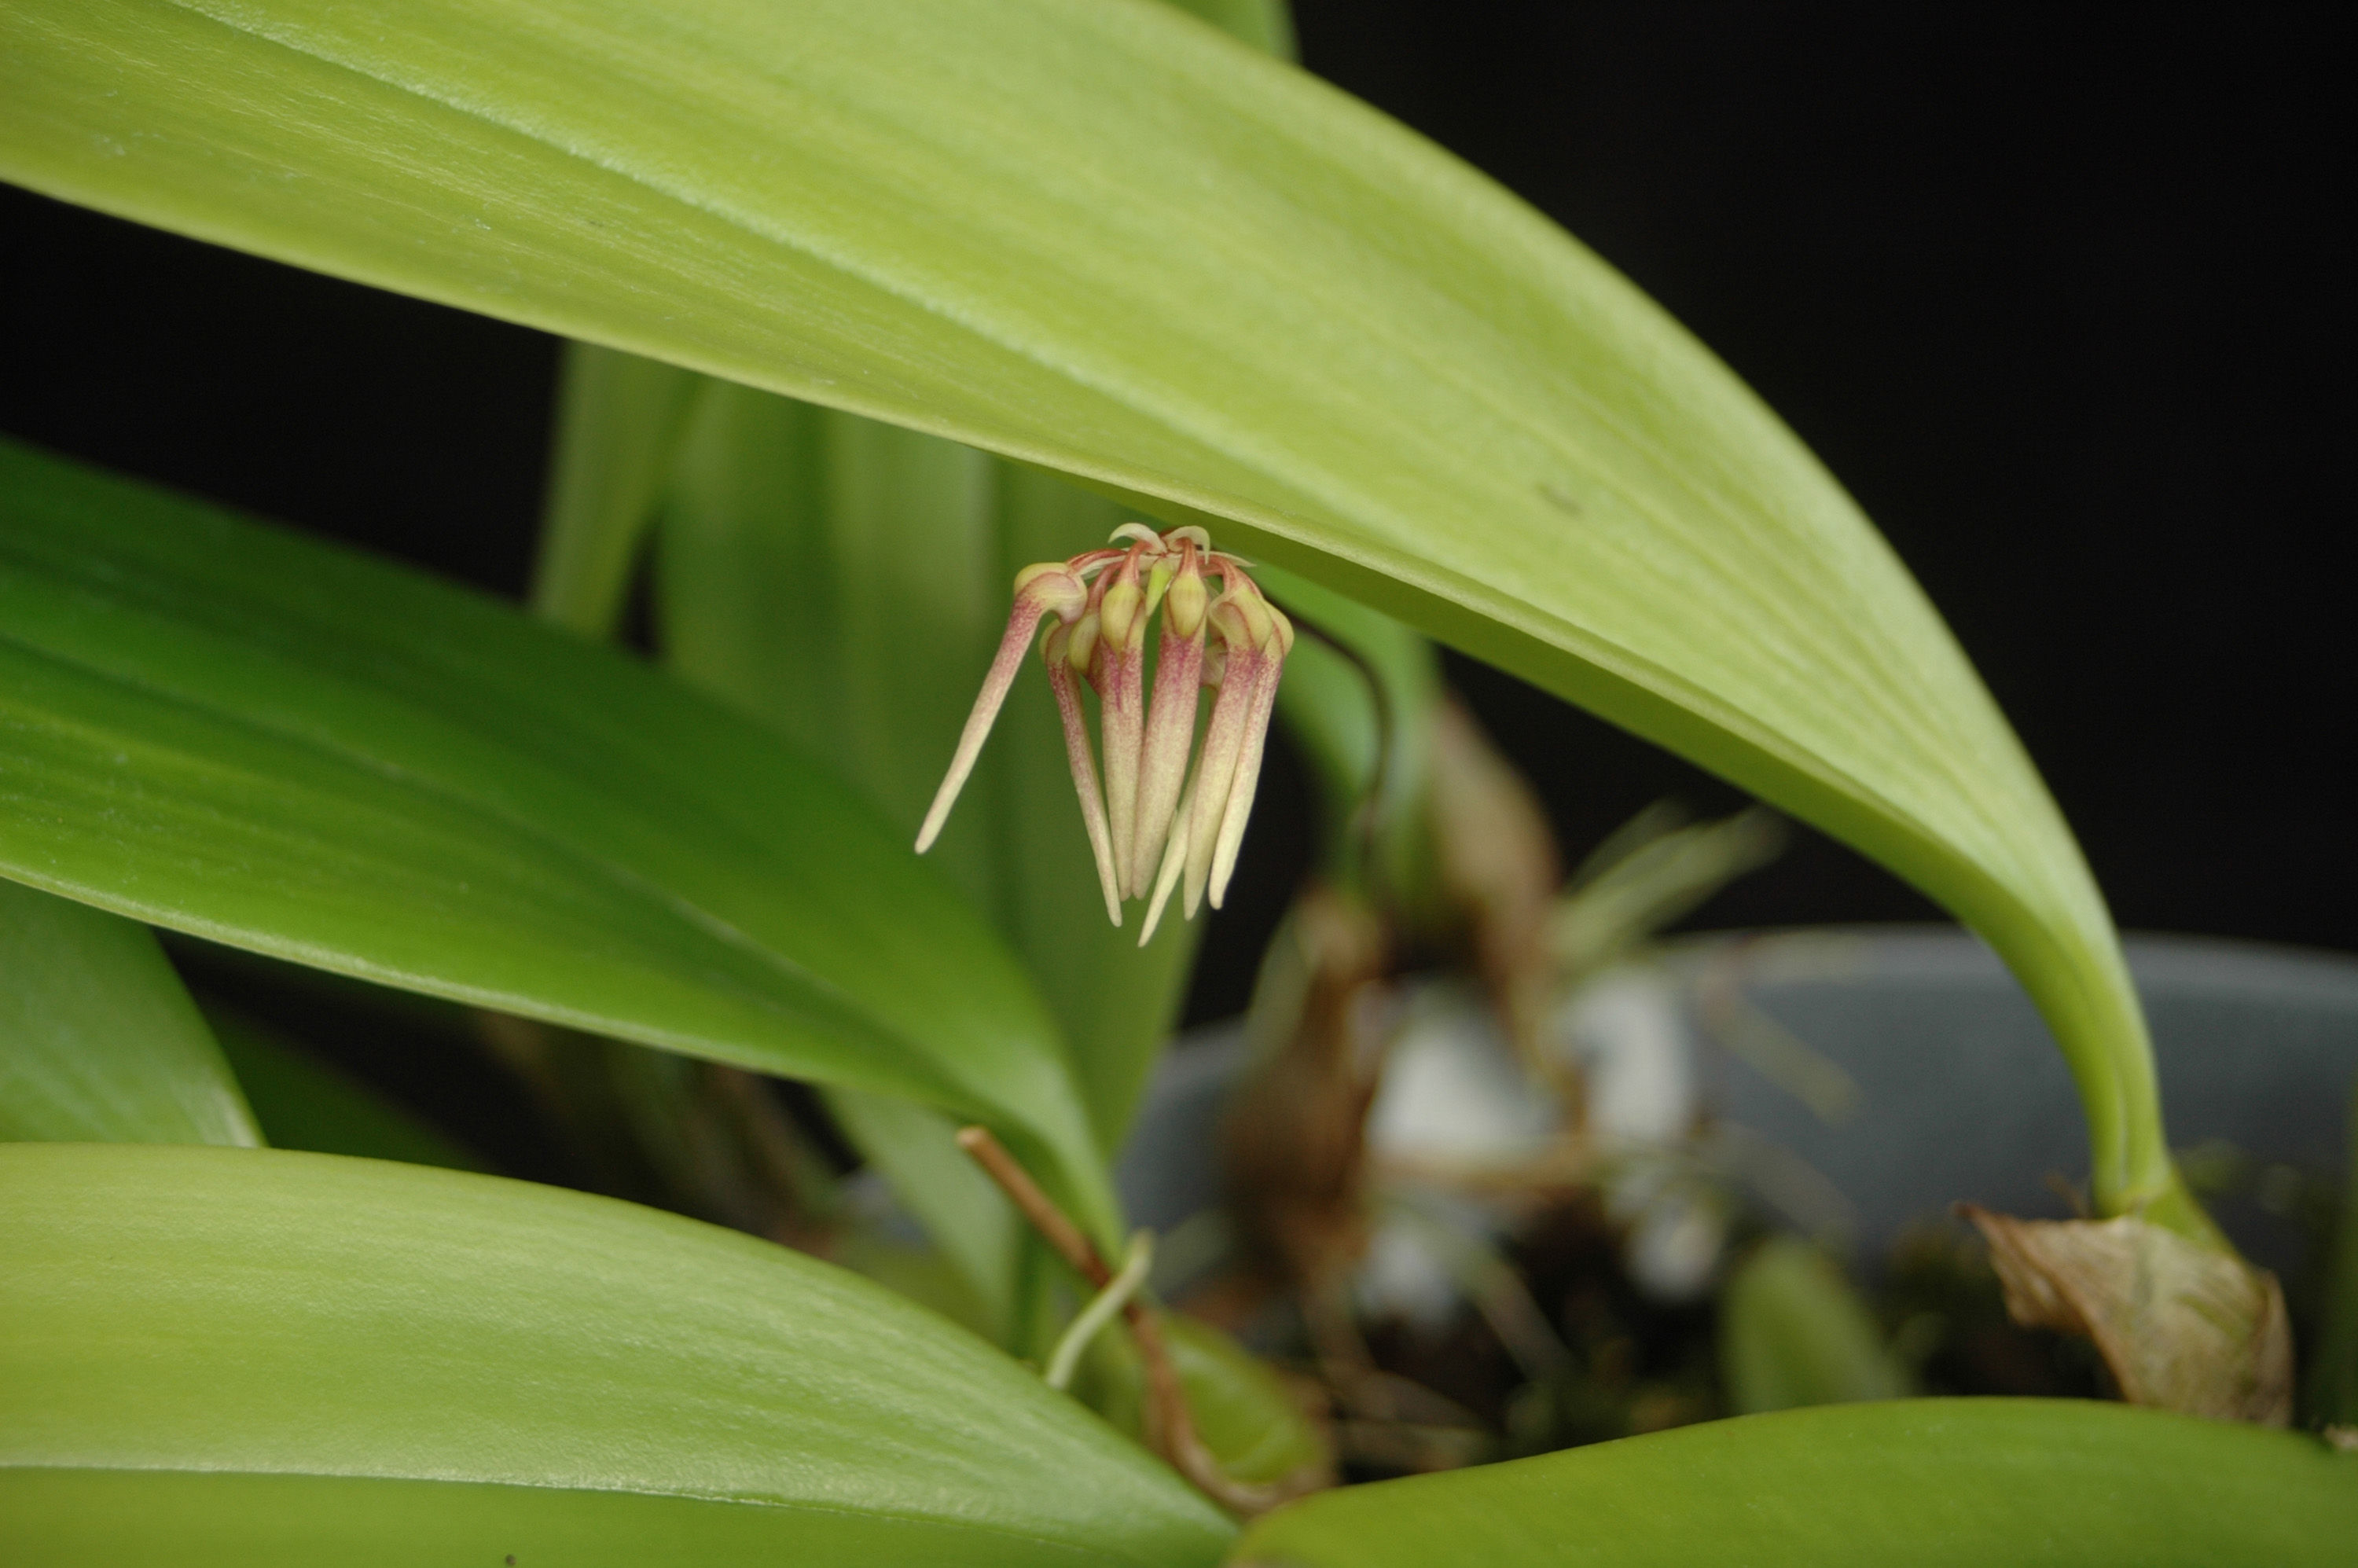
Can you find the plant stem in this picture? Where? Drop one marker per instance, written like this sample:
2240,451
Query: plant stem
1170,1426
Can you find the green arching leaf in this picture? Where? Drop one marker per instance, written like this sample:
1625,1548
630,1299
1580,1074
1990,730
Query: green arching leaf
74,1518
1924,1482
213,726
303,1103
617,419
1265,25
99,1042
1096,236
304,1356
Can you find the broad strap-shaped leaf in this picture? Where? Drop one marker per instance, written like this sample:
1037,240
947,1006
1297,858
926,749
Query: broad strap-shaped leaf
1099,237
221,727
300,1358
2053,1483
99,1042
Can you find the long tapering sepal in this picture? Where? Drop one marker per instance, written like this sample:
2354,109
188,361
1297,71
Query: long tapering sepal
1224,743
1246,781
1040,591
1066,684
1175,862
1171,722
1120,676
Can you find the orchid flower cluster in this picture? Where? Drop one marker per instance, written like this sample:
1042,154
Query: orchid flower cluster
1148,832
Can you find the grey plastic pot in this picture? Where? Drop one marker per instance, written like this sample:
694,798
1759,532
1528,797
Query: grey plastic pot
1961,1091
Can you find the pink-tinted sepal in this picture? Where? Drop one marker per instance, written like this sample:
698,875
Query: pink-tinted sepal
1224,743
1056,591
1067,687
1170,733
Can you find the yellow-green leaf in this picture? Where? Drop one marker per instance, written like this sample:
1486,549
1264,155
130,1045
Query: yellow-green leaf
2053,1483
1102,237
264,1358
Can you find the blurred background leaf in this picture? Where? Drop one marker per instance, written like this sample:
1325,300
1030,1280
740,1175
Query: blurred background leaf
99,1042
1793,1332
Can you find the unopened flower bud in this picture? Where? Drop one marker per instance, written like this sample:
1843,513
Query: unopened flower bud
1184,607
1124,625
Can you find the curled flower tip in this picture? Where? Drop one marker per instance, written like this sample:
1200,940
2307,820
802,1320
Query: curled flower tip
1171,724
1062,680
1050,588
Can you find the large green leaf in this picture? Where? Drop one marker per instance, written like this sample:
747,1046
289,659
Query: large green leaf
1100,236
99,1042
1923,1482
217,726
299,1359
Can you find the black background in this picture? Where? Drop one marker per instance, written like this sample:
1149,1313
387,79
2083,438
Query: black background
2059,292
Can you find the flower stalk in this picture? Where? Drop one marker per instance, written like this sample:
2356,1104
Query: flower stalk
1151,823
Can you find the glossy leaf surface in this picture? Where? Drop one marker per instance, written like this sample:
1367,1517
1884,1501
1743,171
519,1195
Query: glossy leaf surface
303,1358
1099,237
1963,1482
221,727
99,1042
